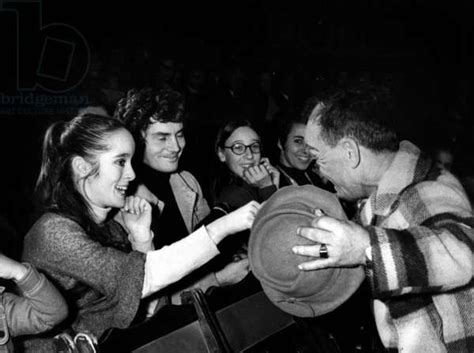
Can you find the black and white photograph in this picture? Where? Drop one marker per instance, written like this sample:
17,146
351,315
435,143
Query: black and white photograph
246,176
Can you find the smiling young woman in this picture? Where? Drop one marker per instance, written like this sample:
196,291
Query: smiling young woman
104,267
242,174
296,165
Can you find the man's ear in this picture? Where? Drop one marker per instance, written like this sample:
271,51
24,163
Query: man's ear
81,167
220,155
143,134
351,151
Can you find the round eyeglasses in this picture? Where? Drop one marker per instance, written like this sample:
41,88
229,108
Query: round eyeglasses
239,148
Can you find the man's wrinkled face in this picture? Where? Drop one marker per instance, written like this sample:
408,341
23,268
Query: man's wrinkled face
332,160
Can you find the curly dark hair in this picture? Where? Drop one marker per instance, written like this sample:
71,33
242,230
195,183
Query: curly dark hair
146,106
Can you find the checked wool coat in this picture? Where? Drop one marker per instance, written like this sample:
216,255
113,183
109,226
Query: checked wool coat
421,231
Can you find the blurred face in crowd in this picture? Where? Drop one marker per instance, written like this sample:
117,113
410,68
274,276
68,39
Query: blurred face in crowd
107,188
241,137
294,153
333,162
266,81
167,70
164,144
197,79
444,159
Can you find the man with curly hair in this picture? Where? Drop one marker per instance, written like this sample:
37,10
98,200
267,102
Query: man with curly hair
156,119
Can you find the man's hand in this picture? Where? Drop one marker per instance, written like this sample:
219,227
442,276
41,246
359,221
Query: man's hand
346,243
233,272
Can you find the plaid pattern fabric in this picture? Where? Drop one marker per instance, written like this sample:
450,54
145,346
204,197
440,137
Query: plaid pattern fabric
5,342
422,238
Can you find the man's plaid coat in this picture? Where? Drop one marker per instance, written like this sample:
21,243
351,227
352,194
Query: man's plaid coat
421,232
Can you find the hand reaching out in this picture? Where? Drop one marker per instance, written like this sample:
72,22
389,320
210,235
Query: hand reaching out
234,222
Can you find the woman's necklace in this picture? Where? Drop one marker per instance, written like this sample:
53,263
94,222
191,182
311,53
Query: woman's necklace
293,181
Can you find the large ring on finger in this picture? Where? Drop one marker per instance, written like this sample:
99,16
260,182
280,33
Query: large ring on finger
323,251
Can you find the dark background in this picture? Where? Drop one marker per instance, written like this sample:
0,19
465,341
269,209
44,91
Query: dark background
424,49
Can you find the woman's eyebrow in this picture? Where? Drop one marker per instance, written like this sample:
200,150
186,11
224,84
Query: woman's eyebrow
125,154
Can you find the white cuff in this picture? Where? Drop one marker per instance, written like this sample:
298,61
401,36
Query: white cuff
171,263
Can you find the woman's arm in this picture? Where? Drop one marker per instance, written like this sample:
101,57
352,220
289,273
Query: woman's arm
171,263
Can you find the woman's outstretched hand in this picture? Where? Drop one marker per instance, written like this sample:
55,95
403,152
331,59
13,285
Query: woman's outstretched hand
136,215
236,221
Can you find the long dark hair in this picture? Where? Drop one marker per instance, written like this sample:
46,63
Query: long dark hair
56,191
222,176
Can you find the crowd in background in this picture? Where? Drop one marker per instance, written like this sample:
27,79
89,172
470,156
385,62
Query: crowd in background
268,90
434,109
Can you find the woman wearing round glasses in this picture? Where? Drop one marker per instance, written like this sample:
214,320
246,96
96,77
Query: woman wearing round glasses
242,175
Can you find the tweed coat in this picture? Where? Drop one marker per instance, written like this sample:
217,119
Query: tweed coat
421,232
190,199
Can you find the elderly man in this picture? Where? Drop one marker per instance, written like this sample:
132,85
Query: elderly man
413,232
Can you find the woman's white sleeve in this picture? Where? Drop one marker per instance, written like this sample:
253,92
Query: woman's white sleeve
171,263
